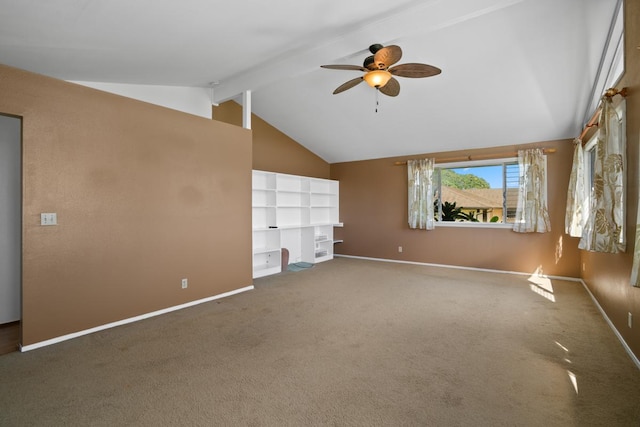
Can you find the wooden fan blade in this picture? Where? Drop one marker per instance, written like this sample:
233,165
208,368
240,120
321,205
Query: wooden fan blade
387,56
348,85
414,70
345,67
392,88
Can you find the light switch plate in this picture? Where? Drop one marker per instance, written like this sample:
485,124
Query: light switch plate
48,219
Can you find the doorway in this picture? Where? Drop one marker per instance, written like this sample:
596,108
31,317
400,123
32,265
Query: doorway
10,231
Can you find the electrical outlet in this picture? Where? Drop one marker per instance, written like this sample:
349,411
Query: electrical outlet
185,283
399,248
630,320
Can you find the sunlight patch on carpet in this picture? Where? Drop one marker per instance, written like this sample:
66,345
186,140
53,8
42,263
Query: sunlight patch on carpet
574,380
542,286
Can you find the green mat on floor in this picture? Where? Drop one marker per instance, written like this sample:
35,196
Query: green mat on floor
299,266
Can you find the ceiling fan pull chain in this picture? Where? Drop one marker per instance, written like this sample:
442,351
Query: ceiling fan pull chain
377,100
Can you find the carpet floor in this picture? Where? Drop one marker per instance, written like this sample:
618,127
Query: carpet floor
348,342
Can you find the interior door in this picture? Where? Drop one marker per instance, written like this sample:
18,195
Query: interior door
10,218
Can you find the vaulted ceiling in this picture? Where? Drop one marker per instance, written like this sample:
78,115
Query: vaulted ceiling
513,71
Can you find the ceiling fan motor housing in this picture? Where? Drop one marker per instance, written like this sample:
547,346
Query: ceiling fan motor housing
369,63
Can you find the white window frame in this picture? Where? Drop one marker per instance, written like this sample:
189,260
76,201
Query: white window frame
468,164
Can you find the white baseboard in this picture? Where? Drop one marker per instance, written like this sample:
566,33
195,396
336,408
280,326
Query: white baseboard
130,320
633,357
458,267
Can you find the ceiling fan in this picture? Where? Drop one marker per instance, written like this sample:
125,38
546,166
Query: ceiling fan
377,71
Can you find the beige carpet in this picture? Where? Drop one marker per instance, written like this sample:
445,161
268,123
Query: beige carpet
346,343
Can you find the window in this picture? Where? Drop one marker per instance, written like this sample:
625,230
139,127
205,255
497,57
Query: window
589,163
476,192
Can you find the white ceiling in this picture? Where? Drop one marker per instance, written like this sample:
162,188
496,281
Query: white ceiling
513,71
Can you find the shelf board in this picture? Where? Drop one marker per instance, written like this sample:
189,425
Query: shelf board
292,191
264,270
289,227
258,267
266,250
323,258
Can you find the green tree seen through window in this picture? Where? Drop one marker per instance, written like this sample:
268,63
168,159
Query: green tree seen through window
453,179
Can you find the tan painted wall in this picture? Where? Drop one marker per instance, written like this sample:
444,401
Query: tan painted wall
145,196
373,207
607,275
274,151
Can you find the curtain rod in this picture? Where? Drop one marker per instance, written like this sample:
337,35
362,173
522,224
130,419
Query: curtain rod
480,157
610,93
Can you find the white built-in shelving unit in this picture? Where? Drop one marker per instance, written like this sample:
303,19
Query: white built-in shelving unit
293,212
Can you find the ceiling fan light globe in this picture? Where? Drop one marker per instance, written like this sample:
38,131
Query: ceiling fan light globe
377,78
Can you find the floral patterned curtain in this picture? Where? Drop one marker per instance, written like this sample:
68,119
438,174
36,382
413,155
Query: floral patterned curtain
604,229
532,214
635,269
577,199
420,173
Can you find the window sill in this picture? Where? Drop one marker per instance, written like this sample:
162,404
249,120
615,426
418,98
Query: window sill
455,224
